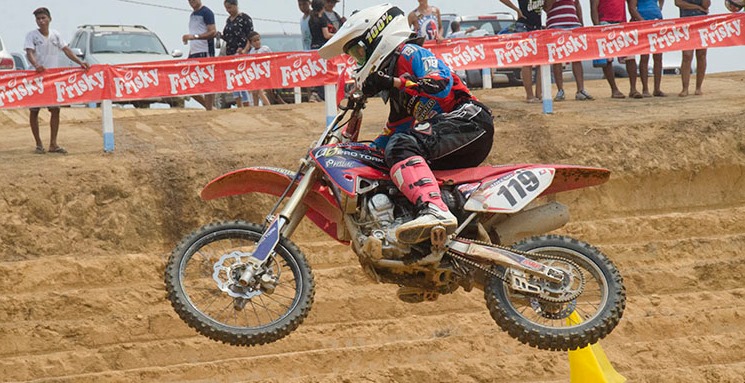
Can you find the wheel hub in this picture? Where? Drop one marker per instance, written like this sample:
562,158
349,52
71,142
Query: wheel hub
227,272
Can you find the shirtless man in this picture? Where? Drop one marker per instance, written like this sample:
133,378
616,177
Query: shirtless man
426,22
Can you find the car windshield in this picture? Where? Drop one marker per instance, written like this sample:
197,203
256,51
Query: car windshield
19,62
490,27
123,42
283,43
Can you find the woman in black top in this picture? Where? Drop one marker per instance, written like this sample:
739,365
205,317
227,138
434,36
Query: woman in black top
319,34
237,27
319,25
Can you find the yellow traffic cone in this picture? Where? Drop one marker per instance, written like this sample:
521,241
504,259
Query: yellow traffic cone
589,364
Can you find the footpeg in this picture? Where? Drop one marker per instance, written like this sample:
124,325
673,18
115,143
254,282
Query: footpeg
438,238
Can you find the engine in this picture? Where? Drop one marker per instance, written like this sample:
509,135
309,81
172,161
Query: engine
382,217
383,211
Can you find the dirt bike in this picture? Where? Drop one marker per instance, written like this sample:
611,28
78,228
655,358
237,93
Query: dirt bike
248,284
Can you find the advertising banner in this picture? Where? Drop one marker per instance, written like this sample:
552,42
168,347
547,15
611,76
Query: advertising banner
63,86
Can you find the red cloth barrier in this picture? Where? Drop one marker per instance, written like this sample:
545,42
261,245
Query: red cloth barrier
306,69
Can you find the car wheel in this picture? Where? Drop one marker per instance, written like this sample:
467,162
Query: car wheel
474,79
141,104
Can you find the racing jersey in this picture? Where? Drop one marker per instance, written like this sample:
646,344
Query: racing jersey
430,88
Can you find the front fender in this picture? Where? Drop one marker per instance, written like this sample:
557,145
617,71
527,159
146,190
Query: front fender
322,207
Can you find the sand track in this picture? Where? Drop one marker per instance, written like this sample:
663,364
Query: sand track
84,237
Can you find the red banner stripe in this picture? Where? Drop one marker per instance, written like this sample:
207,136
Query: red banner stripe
306,69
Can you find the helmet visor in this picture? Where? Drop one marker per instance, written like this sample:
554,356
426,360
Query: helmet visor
357,51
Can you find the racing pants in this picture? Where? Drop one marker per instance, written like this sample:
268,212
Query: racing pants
459,139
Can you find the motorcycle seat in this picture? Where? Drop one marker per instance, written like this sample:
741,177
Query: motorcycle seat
467,175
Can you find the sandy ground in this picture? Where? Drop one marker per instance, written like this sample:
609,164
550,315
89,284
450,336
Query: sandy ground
83,239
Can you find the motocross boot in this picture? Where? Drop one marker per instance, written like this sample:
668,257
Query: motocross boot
415,180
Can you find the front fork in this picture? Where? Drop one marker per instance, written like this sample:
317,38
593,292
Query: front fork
284,224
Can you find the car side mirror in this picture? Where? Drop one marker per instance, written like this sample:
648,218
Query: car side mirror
176,53
77,52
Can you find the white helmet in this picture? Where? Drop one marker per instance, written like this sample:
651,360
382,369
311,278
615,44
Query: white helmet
369,35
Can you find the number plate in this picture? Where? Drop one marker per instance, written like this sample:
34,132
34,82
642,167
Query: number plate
511,192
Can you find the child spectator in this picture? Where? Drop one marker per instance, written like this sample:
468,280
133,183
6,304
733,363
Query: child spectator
254,39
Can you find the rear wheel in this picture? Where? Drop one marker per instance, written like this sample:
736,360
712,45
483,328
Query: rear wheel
548,321
202,281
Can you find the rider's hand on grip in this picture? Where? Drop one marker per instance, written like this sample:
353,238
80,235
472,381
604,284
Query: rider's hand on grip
376,82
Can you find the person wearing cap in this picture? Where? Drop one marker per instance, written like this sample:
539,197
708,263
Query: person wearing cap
334,18
42,47
200,38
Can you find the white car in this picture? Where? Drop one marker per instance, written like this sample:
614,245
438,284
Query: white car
20,61
122,44
6,60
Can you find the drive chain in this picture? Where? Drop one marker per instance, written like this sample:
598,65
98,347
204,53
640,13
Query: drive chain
503,276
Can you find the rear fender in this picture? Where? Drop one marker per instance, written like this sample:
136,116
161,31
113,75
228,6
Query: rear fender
511,192
570,177
322,207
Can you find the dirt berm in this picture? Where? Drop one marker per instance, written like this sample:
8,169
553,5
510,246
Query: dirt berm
84,236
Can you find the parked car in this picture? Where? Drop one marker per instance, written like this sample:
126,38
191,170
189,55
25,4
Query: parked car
122,44
277,42
592,72
484,25
20,62
6,60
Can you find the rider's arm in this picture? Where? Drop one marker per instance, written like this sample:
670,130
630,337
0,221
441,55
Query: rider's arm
426,74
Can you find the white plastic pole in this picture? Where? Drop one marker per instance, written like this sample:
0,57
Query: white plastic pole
548,101
107,117
486,78
298,95
330,96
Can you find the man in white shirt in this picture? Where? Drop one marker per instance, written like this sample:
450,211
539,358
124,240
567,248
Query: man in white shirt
201,40
42,47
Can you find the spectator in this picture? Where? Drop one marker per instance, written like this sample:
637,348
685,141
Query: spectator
334,18
528,19
456,32
254,39
201,41
606,12
648,10
42,46
238,27
566,14
304,6
425,20
320,33
690,8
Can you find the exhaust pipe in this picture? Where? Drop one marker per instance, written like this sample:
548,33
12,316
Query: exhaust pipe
538,220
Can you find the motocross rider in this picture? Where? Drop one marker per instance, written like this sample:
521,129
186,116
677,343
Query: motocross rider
434,121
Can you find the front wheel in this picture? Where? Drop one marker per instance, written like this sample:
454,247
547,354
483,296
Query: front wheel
202,281
549,322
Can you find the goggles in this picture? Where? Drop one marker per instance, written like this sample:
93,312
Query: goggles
357,51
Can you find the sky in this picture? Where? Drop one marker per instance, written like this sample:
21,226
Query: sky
169,19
